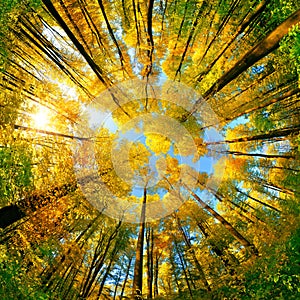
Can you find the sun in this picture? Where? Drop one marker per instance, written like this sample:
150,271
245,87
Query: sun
41,118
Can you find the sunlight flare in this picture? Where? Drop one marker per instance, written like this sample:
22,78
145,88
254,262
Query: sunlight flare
41,119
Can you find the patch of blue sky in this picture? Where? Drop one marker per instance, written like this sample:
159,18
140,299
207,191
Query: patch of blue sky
203,165
162,77
51,36
212,135
137,67
282,146
206,164
206,197
131,135
257,69
137,191
238,121
100,119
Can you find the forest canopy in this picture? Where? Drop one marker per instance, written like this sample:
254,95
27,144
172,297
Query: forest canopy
149,149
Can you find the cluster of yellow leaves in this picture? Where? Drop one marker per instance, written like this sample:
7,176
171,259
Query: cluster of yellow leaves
157,143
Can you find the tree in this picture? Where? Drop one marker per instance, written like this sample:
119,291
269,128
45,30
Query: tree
205,203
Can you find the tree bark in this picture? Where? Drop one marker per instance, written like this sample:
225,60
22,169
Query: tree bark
57,134
13,213
149,241
220,252
192,251
224,22
259,9
10,214
193,28
137,287
277,133
156,272
95,268
226,224
126,277
238,153
263,48
61,22
110,30
184,270
107,271
257,200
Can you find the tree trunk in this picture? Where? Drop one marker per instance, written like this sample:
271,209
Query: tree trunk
246,22
156,272
112,259
10,214
20,127
117,282
175,275
137,287
184,270
13,213
257,105
219,252
111,32
226,224
193,28
277,133
192,251
64,26
95,268
257,200
273,156
126,277
263,48
149,241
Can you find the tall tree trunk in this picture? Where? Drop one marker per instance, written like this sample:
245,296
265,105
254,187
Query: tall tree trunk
193,28
273,156
256,200
111,32
226,224
175,275
126,277
107,271
263,48
95,268
184,270
258,104
13,213
149,241
150,40
248,217
192,251
57,134
117,282
156,273
277,133
46,275
221,27
10,214
259,9
220,252
78,45
137,287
